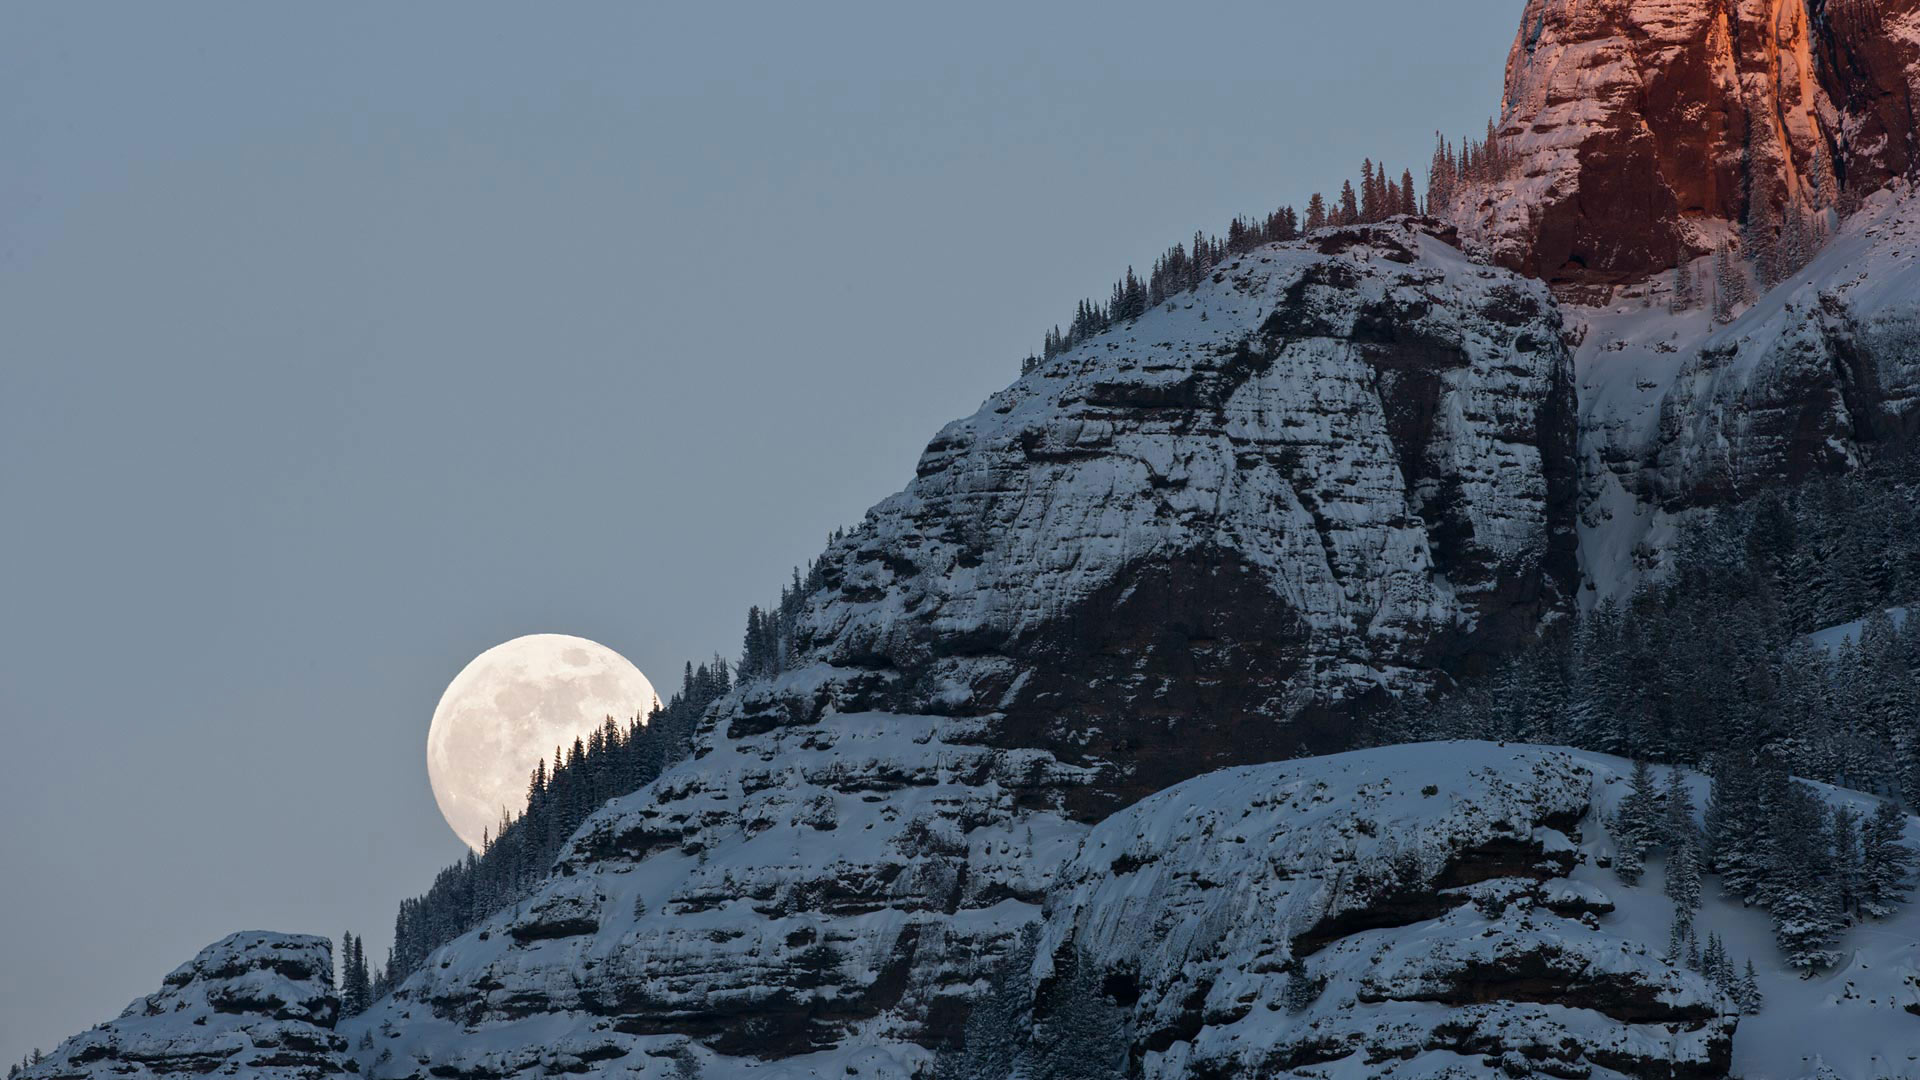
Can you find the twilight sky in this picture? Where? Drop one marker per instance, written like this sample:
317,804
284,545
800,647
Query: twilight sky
341,342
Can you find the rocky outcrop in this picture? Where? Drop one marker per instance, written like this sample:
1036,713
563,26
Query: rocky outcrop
254,1004
1631,128
1341,467
1384,882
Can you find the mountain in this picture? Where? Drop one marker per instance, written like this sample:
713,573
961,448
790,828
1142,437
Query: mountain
1159,554
1067,764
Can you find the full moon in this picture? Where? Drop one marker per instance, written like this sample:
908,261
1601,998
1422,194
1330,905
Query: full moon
509,708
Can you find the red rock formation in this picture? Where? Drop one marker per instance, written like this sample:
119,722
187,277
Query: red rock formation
1636,124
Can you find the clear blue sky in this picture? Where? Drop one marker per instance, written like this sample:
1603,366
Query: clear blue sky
340,342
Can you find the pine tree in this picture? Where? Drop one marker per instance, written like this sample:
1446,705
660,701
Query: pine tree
1737,845
1763,237
1729,284
356,987
1302,989
1316,212
1887,863
1846,858
1683,880
1750,997
1440,177
1349,212
995,1041
1637,825
1079,1033
1796,243
1715,966
1676,812
1800,891
1677,928
686,1065
1683,287
1628,861
362,979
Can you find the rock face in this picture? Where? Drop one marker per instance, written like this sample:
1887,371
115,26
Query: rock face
1635,125
253,1004
1340,467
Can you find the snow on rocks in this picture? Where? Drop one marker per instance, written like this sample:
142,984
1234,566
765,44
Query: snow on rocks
252,1004
1339,465
1858,1020
1420,890
787,893
831,902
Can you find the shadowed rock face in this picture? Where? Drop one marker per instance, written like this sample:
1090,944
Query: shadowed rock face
1343,466
1633,121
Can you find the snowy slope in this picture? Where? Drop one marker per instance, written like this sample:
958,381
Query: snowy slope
1833,638
1859,1019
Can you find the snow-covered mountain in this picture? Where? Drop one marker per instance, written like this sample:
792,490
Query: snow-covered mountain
1036,730
1203,540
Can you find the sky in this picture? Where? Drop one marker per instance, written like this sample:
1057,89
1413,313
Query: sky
341,342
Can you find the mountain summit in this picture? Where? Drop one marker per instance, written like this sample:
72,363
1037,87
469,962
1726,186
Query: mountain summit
1634,127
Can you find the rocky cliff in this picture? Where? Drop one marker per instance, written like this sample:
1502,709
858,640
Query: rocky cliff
1338,468
1385,882
253,1004
1635,126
